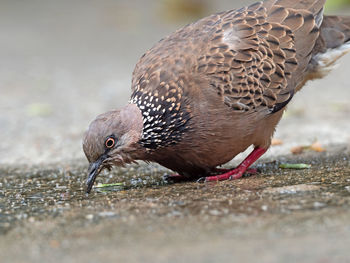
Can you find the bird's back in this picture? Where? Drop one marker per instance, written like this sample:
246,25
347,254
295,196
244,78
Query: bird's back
269,41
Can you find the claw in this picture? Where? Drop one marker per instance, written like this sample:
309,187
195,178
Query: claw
166,177
202,180
237,173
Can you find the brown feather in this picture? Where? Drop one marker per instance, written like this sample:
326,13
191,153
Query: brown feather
219,85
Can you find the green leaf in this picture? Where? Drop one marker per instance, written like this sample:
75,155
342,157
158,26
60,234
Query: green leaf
295,166
109,185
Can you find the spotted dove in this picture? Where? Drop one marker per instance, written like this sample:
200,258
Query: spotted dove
217,86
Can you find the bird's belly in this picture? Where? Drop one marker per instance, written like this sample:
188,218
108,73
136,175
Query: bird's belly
216,136
201,156
219,153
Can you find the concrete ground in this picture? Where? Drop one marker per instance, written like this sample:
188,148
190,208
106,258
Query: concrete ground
64,62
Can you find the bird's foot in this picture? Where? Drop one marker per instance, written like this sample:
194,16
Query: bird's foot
228,175
239,171
249,171
223,173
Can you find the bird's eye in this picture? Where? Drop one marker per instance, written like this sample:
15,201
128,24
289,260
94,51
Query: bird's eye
110,142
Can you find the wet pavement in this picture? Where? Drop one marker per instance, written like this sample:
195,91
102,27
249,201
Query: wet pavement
62,63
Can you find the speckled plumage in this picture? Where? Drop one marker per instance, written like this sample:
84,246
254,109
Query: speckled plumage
217,86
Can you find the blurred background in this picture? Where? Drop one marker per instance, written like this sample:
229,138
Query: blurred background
64,62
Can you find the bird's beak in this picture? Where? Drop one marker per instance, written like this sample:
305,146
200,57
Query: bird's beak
94,170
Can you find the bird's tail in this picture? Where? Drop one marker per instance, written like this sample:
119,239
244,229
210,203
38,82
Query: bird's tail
332,44
335,31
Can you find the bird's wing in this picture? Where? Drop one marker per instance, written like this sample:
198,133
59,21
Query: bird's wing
259,54
253,57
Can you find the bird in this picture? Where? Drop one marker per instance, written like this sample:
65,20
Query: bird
216,87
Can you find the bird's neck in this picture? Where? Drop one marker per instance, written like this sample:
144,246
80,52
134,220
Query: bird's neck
132,122
165,118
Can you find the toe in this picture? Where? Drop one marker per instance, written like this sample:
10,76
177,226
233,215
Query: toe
202,180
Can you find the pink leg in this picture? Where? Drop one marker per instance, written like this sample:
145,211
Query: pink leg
240,170
222,170
182,178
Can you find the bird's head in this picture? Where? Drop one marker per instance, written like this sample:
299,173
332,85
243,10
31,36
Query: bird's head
112,139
